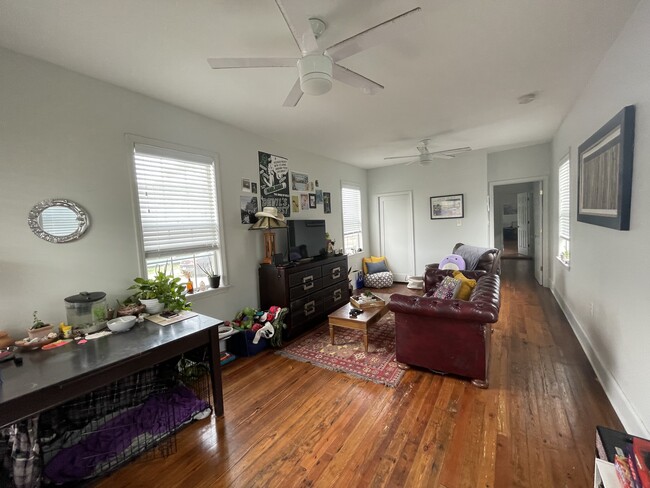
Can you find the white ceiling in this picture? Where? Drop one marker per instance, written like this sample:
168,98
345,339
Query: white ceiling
454,74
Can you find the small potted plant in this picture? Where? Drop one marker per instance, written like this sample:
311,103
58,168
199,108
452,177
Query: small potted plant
213,278
39,329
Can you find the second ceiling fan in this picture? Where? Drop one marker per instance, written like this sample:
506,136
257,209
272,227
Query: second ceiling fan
317,67
427,156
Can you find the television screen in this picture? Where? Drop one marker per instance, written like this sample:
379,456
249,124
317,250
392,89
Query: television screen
306,239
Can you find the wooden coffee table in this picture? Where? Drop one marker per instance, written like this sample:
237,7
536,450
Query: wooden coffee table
370,316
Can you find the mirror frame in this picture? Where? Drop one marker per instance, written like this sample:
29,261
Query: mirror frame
36,211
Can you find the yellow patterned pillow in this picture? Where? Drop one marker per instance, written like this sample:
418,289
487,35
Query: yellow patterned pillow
371,259
466,286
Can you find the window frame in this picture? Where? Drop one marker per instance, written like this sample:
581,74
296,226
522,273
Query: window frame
564,211
349,185
220,251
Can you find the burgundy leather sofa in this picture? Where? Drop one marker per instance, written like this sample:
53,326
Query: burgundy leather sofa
448,336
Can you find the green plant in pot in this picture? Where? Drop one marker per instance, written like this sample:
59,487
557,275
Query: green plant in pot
163,288
214,279
39,328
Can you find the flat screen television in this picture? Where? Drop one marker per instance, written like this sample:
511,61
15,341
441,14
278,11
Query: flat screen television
306,239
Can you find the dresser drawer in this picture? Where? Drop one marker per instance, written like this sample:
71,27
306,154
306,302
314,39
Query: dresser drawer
335,296
306,309
305,289
301,277
334,272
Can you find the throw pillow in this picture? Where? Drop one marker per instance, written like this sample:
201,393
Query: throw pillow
378,267
372,259
453,261
447,289
466,286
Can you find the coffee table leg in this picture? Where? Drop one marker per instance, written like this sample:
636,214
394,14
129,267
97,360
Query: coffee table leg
332,333
365,339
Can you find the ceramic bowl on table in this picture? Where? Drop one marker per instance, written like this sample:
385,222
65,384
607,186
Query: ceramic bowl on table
121,324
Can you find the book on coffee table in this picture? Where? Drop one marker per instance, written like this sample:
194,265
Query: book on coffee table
366,301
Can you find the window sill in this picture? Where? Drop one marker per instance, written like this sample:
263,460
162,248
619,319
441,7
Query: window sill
200,295
566,264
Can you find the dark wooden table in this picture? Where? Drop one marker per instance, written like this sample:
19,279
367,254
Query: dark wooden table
50,378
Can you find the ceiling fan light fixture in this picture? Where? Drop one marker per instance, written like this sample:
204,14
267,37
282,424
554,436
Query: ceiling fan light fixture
315,72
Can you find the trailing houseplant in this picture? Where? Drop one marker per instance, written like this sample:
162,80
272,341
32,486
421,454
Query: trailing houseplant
165,288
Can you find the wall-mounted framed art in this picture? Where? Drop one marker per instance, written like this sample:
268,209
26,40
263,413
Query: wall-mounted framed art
447,207
605,173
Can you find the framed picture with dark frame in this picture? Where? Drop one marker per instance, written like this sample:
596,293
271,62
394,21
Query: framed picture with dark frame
312,200
447,207
605,173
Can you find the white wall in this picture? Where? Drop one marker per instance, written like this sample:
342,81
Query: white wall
434,239
609,267
62,136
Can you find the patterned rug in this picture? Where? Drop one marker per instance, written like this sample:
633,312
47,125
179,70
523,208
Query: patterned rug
347,354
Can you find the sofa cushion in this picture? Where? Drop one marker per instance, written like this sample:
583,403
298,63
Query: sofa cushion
466,286
378,280
447,289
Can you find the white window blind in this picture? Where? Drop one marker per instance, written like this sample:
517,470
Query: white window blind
564,200
178,201
351,203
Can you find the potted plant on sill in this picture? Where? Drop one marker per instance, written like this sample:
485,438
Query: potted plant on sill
214,279
39,329
160,292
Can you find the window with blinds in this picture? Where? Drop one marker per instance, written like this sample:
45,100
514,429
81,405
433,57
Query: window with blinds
564,211
177,195
352,230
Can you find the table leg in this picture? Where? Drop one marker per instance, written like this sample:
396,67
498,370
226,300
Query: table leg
365,339
215,371
332,333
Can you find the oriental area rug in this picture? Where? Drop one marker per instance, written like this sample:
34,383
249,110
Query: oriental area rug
347,355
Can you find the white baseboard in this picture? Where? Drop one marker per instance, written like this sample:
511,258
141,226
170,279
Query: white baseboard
624,409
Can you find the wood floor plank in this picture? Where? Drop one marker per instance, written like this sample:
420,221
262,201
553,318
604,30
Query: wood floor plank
289,423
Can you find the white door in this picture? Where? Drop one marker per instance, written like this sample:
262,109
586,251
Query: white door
396,240
523,223
538,205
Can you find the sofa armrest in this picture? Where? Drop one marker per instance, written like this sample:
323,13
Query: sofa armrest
477,311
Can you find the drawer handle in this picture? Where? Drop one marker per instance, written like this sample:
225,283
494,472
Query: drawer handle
308,286
310,307
337,295
336,273
308,278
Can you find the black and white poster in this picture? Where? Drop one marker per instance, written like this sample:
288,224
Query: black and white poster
274,182
248,207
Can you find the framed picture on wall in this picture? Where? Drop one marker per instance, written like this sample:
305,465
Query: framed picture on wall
312,200
447,207
605,173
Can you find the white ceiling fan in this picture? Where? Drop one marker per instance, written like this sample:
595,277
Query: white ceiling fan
427,156
316,66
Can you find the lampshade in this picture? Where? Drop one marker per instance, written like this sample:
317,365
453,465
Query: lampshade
266,223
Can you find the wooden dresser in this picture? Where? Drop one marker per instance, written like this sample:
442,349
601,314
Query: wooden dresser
310,290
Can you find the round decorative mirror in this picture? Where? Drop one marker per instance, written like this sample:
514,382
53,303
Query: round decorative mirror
58,220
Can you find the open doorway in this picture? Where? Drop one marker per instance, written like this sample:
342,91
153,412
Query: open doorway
516,217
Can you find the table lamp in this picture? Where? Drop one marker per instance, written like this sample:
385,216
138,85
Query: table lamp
269,218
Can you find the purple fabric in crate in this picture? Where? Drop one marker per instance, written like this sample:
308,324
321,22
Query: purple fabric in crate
159,414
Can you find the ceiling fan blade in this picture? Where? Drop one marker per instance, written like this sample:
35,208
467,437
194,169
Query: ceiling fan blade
356,80
453,151
441,156
299,25
368,37
226,63
403,157
409,163
294,95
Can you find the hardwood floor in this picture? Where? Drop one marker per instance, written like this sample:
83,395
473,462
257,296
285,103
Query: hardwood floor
288,423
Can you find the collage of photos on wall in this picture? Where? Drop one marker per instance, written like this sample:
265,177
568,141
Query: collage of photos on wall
290,192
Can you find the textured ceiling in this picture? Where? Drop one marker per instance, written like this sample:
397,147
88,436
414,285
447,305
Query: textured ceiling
454,73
